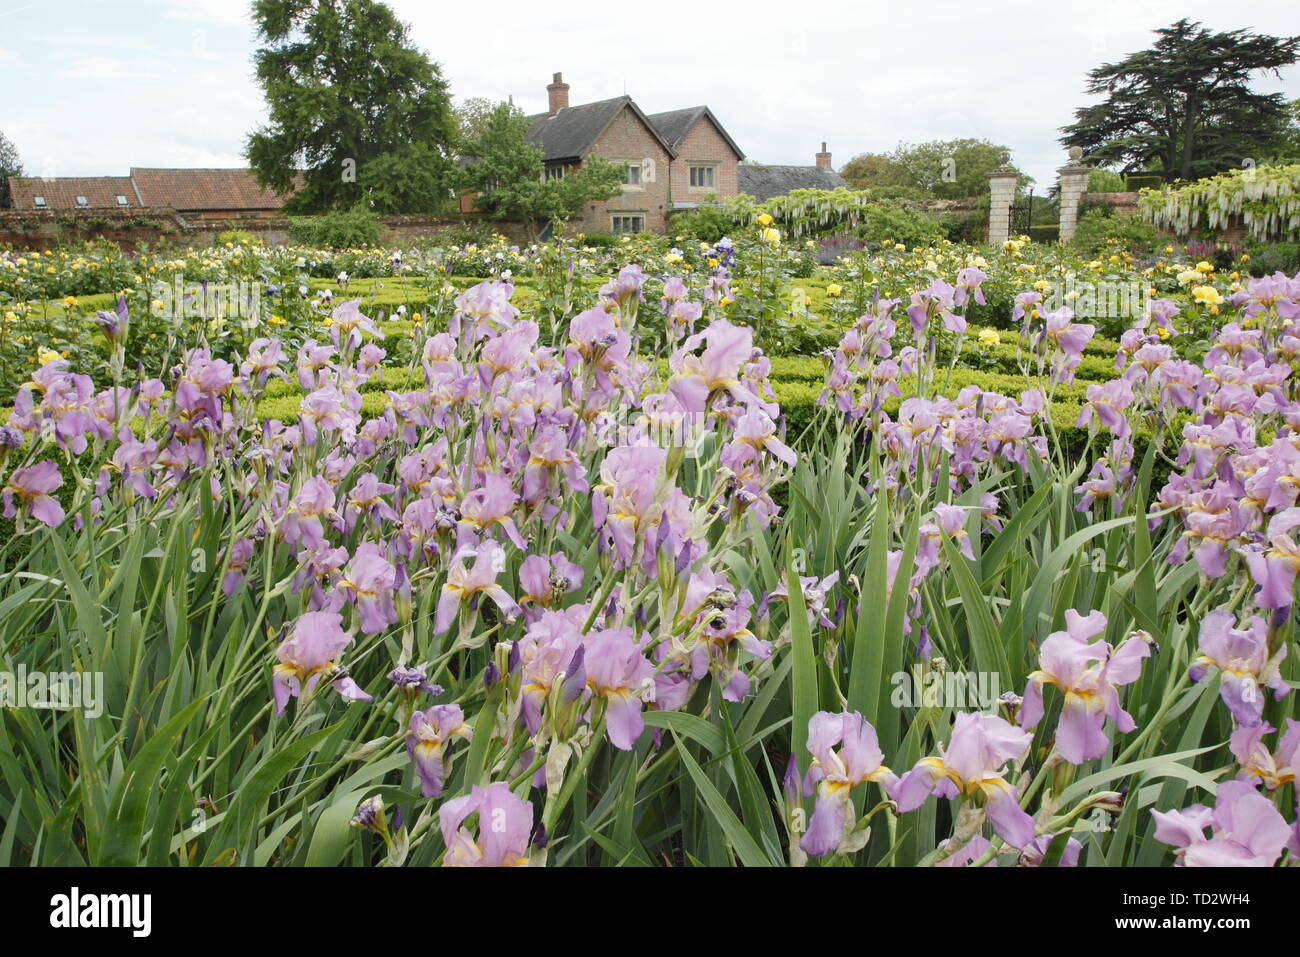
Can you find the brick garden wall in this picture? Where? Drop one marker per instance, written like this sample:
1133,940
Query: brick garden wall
129,227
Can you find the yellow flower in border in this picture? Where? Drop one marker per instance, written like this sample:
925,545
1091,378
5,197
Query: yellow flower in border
989,337
47,355
764,220
834,289
1204,266
770,235
1207,295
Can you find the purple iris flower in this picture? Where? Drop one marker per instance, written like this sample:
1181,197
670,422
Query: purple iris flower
309,654
370,581
836,771
1246,830
1258,764
1242,657
1089,673
428,735
505,823
463,584
32,487
618,671
1274,568
972,766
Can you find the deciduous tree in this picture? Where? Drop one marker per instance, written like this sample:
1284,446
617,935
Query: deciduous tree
357,112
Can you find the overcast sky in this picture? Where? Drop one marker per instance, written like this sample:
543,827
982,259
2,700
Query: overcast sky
97,87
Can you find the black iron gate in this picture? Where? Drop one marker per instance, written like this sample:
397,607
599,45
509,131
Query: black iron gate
1021,216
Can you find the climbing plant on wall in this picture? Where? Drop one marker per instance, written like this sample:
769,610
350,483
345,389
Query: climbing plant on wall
1265,198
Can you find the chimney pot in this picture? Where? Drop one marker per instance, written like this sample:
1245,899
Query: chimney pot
557,94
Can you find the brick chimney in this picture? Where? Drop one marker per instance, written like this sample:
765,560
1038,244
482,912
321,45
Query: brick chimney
557,92
823,158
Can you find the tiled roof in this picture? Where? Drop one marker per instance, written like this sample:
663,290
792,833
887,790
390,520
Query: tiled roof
676,124
62,192
195,189
764,182
568,134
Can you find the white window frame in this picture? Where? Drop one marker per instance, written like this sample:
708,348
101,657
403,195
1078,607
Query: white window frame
628,167
633,217
552,173
713,171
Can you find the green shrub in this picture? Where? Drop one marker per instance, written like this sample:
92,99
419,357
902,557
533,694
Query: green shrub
339,228
707,224
600,240
1104,181
899,223
1140,181
236,237
966,226
1047,233
1269,258
1098,230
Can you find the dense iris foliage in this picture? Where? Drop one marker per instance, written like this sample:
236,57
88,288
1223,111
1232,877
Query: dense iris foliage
488,555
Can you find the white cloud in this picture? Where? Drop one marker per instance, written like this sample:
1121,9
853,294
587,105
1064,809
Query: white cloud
104,68
228,12
862,77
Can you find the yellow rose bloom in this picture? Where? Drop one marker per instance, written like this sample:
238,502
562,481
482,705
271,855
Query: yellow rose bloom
47,355
989,337
833,289
764,220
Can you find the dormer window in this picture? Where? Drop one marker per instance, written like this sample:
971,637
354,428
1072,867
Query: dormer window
81,201
40,202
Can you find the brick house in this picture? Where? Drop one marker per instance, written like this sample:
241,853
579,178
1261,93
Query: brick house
194,193
673,160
